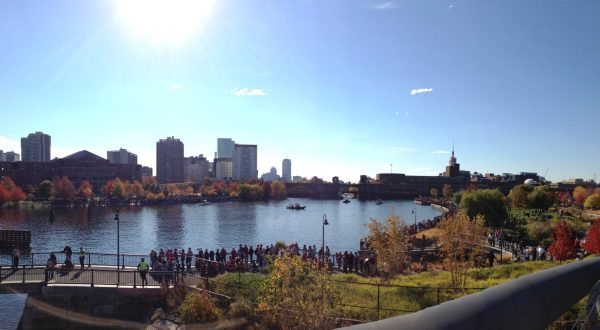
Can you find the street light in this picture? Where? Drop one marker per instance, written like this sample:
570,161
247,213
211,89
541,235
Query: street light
414,211
118,236
325,223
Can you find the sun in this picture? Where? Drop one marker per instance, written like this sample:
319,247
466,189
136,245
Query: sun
165,20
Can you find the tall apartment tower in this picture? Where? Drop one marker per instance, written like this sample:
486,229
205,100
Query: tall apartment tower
121,156
286,170
35,147
244,162
225,148
169,161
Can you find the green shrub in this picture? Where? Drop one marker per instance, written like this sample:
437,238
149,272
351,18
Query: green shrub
241,308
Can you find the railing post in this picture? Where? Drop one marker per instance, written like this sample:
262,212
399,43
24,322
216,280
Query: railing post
92,277
89,260
46,276
118,277
23,274
123,261
378,300
31,259
135,279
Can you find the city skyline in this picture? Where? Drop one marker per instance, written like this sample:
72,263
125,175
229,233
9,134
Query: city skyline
342,89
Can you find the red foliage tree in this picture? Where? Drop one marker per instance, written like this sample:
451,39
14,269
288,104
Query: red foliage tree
85,190
9,191
64,189
592,239
562,247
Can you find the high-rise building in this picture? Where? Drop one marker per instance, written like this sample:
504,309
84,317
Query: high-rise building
2,156
286,170
11,156
195,168
225,148
244,162
223,168
36,147
121,156
146,171
169,160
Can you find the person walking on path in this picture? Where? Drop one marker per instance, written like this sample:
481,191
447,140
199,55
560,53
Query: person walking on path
81,257
142,267
16,253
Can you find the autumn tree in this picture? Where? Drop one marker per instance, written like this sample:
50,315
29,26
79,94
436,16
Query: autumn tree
64,189
562,246
9,191
488,203
460,237
297,295
592,239
315,179
198,307
45,190
137,190
592,202
278,190
151,185
518,196
447,191
391,243
118,189
579,195
85,190
433,192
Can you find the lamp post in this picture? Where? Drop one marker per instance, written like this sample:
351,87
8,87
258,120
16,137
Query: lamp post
118,236
325,223
414,211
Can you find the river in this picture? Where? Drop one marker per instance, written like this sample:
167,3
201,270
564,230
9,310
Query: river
212,226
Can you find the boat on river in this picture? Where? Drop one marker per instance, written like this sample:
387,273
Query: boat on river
346,201
379,202
296,207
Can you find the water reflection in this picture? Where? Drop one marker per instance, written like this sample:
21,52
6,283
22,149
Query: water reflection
216,225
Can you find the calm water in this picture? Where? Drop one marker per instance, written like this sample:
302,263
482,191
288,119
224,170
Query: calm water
216,225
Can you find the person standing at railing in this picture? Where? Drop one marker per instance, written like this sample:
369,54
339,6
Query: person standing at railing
188,259
50,265
142,267
16,253
68,252
81,257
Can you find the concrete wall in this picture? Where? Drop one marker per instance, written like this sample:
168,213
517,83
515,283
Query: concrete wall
60,307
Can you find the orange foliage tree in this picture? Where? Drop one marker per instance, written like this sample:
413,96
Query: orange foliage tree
85,190
64,189
562,246
579,195
9,191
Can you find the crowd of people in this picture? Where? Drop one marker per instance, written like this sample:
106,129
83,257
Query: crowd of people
248,258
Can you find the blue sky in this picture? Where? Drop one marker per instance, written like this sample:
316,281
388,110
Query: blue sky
341,87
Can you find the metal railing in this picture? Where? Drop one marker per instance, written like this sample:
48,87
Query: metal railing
92,277
530,302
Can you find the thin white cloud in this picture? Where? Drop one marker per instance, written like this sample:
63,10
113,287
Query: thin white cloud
385,5
176,87
402,150
248,92
421,90
8,144
450,7
441,152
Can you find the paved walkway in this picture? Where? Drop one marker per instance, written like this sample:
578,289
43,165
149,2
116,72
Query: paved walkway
95,275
